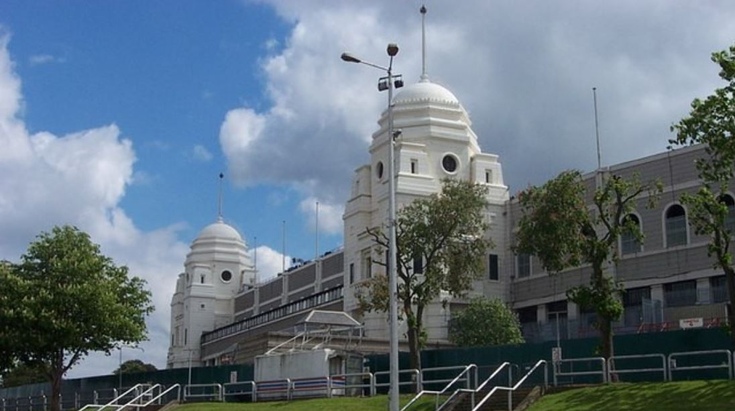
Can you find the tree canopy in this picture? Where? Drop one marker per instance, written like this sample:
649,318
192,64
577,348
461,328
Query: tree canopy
485,322
68,300
712,122
441,241
563,232
134,366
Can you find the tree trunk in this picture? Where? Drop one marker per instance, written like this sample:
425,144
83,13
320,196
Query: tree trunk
56,379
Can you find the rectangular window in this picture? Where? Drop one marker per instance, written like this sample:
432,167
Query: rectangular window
489,176
633,297
680,294
414,166
493,271
186,336
718,286
418,265
352,273
523,265
367,266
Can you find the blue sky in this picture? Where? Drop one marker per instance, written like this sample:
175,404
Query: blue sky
118,116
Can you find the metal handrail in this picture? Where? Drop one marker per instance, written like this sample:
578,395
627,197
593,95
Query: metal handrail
217,395
114,400
414,371
728,364
154,398
476,389
149,391
466,370
611,362
370,384
232,384
602,372
518,384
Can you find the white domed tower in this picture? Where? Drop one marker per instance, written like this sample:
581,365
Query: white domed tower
216,268
436,141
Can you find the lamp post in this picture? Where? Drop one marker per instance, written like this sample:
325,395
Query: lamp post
119,364
386,83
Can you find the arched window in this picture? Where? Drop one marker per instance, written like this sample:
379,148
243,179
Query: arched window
730,218
676,226
628,242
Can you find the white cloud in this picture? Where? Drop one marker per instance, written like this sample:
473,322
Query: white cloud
269,262
330,215
80,179
40,59
201,153
524,71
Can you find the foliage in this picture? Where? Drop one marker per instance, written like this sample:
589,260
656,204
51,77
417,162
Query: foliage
134,366
712,123
70,300
446,234
485,322
560,229
22,374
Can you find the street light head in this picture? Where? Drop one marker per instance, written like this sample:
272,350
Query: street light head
350,58
392,49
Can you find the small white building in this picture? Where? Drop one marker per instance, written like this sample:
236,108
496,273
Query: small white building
216,269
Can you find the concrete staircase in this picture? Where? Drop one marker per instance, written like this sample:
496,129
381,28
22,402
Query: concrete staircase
498,402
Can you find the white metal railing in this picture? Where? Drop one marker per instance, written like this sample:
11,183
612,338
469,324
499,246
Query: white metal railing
674,367
235,385
215,394
612,365
370,384
477,389
113,404
516,386
559,373
415,380
463,375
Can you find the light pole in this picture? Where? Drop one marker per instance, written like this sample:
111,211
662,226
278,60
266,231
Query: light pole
119,364
386,83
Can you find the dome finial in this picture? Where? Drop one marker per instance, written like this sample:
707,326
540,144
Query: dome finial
219,199
424,74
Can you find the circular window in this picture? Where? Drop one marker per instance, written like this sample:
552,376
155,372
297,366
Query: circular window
449,163
379,169
226,276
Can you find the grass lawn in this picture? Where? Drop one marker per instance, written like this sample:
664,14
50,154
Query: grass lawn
670,396
377,403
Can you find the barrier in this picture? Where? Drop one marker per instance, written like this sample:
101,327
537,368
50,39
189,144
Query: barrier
501,367
674,367
215,394
612,366
559,373
416,374
350,384
271,389
467,377
234,392
514,387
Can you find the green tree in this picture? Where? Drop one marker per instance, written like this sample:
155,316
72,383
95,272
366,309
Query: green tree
440,243
134,366
23,374
563,232
485,322
712,122
70,300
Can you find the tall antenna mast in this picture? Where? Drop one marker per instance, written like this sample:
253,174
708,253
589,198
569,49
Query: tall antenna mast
316,233
283,257
424,75
597,129
219,199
